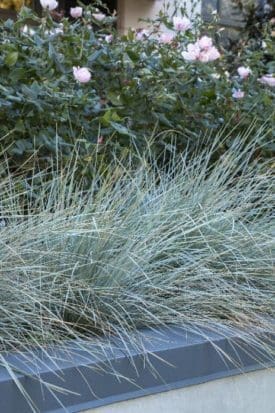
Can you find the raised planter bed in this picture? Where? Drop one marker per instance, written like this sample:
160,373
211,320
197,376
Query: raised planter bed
173,358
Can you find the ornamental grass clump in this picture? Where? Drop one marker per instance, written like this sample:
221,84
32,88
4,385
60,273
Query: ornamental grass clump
189,244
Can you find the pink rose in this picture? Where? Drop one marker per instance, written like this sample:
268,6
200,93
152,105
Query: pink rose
142,34
182,24
76,12
202,50
205,42
267,80
49,4
109,38
82,74
211,54
243,72
238,94
166,38
203,57
99,16
193,52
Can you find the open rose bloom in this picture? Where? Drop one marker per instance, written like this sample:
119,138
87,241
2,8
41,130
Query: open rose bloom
268,80
82,74
238,94
181,24
142,34
76,12
209,55
49,4
192,53
202,50
244,72
109,38
205,43
99,16
166,38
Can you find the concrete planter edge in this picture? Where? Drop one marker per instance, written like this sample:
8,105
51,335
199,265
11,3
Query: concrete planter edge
172,358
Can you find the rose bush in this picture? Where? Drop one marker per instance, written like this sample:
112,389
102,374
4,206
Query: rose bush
79,81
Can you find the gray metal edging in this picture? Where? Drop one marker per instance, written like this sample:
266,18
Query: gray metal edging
175,358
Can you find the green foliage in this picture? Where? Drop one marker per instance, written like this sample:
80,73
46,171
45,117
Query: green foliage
137,87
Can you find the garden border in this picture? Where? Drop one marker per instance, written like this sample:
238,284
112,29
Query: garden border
176,358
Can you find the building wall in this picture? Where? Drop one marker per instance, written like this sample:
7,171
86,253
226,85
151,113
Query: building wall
130,11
